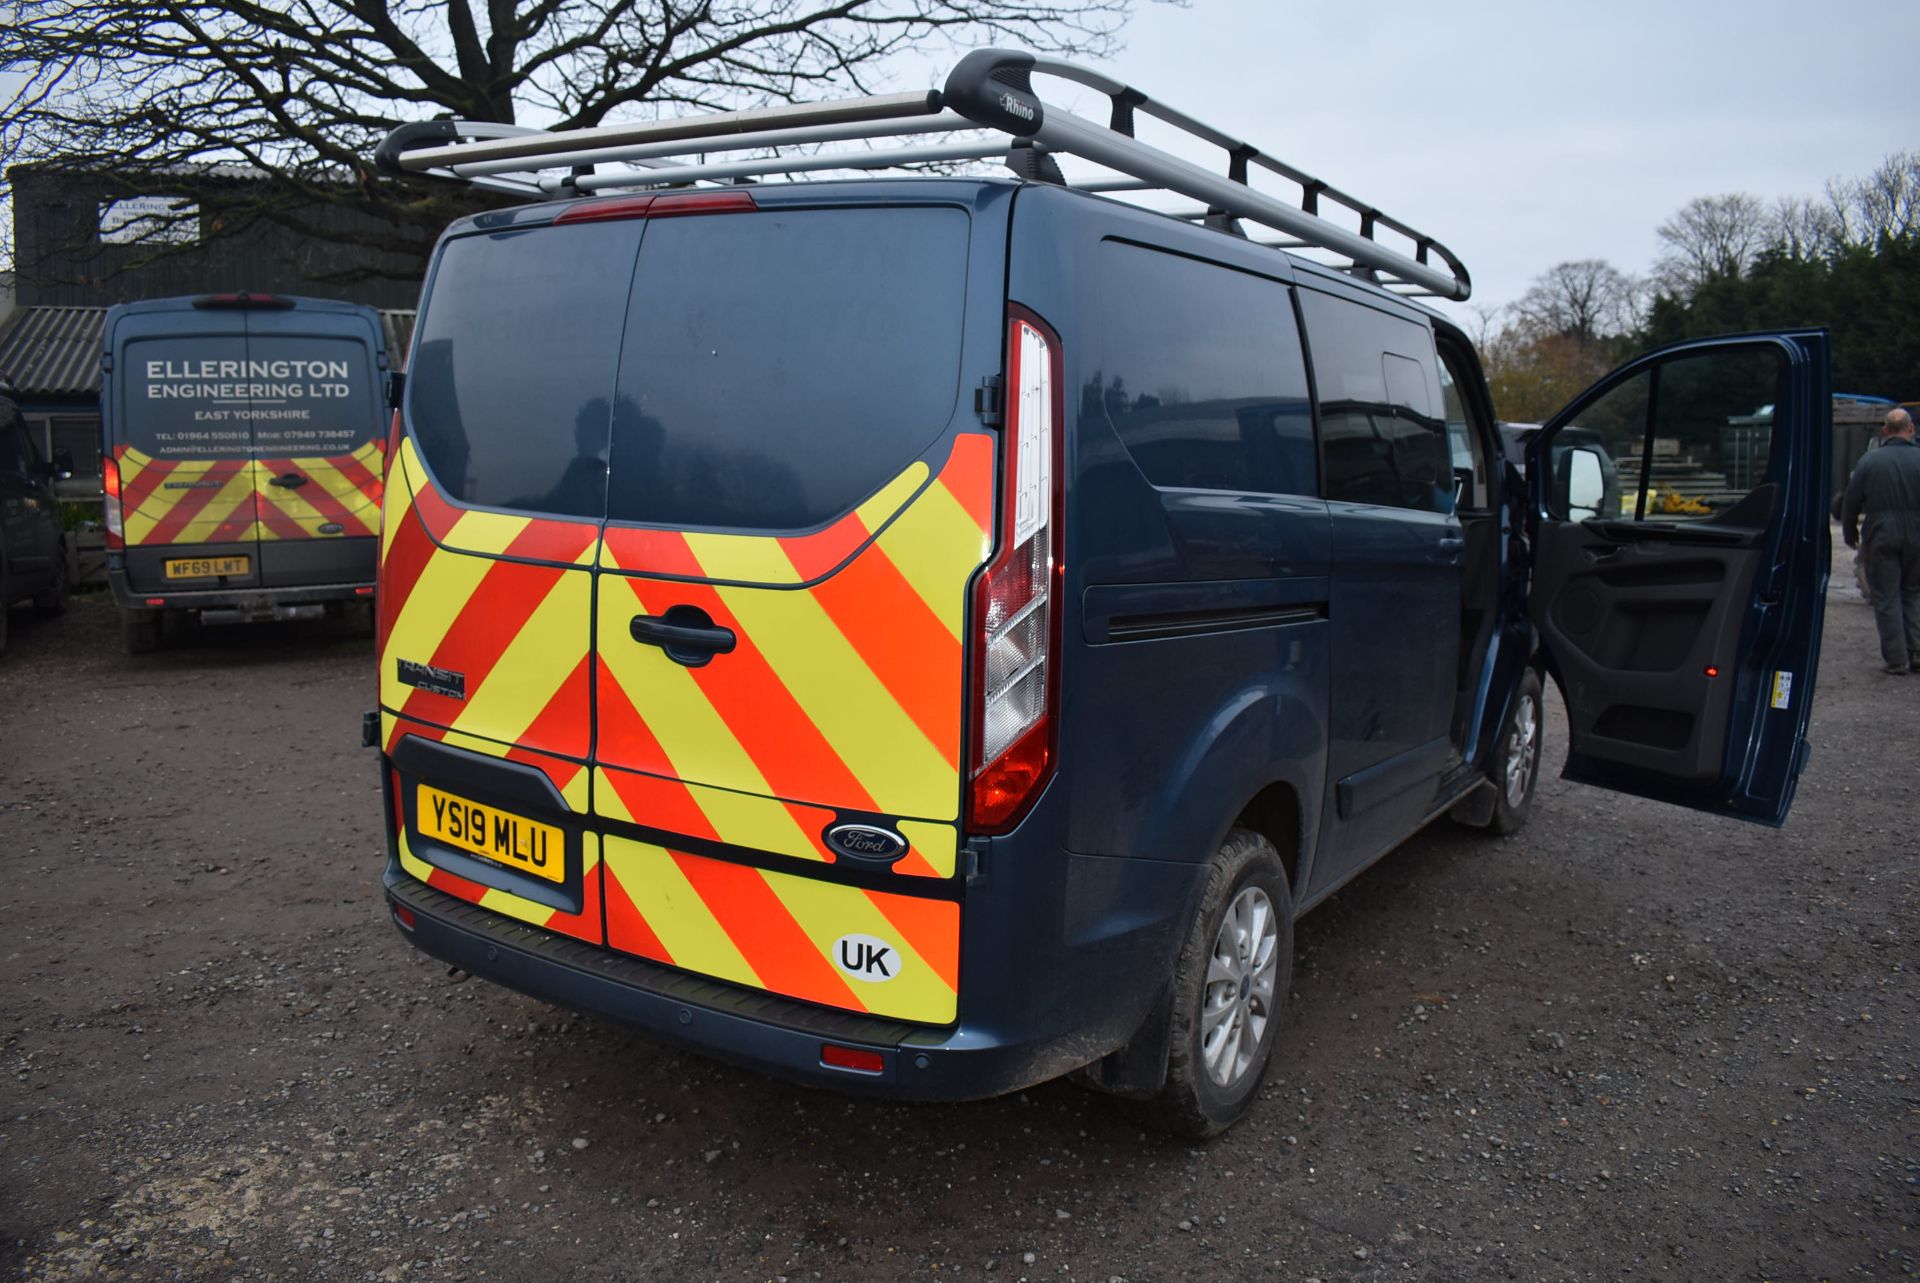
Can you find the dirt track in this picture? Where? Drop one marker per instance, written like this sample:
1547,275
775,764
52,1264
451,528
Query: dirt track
1631,1042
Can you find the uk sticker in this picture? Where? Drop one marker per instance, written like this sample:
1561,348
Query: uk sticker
866,958
1782,689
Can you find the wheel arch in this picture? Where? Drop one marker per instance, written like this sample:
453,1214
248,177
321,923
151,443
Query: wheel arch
1275,814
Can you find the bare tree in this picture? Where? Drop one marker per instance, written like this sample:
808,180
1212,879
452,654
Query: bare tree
1803,227
1711,237
1884,203
300,91
1586,300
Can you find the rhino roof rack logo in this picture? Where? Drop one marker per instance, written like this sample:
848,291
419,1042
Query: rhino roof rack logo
1014,107
866,842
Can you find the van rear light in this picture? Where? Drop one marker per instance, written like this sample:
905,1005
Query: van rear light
1016,599
702,203
404,916
110,484
244,300
858,1059
596,211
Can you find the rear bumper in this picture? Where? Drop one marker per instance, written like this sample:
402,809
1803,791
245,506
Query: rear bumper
253,601
758,1030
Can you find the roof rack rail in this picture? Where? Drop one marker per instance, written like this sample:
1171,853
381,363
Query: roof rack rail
989,91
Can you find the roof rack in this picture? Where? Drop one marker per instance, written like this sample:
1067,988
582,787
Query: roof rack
989,95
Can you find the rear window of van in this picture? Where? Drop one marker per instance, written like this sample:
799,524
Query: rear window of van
752,371
232,396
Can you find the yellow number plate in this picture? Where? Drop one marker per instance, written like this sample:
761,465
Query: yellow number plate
206,567
494,834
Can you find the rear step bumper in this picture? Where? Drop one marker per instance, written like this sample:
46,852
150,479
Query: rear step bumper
775,1035
255,602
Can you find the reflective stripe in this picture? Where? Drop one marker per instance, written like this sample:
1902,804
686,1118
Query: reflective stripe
719,919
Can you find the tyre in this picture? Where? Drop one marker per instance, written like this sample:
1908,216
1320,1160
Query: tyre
140,629
3,619
1516,761
52,600
1229,989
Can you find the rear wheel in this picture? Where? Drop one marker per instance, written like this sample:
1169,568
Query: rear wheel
140,629
1229,989
52,600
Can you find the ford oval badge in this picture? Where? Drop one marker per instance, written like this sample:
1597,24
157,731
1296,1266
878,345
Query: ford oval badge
866,842
331,528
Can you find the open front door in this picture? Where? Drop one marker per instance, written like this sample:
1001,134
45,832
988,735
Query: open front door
1680,555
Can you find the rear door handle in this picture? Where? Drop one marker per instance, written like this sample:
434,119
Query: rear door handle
687,633
291,481
1451,543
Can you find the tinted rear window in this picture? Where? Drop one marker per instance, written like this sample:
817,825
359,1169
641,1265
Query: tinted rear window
232,397
507,386
754,371
318,395
186,398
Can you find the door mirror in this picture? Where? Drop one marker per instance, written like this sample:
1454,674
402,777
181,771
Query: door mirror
1581,482
62,467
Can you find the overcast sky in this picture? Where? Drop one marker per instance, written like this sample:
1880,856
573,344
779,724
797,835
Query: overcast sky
1521,133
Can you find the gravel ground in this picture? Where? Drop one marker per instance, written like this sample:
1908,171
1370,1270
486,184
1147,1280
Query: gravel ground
1630,1042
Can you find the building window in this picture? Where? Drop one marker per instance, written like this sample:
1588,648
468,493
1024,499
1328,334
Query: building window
149,220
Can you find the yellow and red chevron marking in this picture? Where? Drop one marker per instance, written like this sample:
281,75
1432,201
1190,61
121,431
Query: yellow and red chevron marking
781,932
572,781
845,692
756,822
519,633
177,501
342,490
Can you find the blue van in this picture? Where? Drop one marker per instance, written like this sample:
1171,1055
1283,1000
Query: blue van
243,450
929,635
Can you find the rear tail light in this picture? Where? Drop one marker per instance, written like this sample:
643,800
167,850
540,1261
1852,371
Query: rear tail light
244,300
595,211
858,1059
1016,600
110,483
404,916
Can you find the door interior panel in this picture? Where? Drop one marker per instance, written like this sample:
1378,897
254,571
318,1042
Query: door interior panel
1645,622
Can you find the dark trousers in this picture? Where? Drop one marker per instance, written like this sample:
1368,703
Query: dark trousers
1893,584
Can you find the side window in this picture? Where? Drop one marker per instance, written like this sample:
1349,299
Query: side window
1382,439
1466,437
1199,370
1688,439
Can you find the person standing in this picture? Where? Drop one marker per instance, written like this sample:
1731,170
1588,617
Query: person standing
1886,483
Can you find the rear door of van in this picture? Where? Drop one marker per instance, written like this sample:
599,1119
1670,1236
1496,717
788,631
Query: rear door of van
729,444
179,439
317,440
